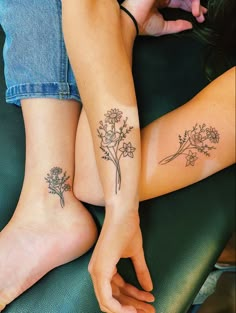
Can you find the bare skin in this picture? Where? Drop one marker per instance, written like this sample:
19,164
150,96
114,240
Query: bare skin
42,234
70,231
77,223
121,214
215,105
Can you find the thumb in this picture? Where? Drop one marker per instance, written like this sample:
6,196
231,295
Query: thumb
142,271
172,27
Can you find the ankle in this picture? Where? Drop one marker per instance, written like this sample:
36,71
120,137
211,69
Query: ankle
44,185
41,197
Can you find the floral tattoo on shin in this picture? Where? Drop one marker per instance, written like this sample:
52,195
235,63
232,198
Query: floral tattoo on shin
198,139
57,183
112,133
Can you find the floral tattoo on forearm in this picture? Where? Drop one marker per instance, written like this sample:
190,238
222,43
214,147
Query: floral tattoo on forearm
56,184
198,139
112,133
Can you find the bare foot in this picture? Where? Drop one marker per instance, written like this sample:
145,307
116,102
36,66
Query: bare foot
39,238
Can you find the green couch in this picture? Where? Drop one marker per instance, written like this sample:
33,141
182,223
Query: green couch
184,232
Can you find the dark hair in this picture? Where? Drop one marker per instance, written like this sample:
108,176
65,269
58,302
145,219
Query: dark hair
219,33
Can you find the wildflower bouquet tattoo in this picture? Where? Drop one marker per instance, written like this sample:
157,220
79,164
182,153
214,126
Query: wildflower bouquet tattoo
112,133
56,184
198,139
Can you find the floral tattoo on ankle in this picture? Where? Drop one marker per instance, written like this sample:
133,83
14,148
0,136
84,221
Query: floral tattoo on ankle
199,138
56,184
112,133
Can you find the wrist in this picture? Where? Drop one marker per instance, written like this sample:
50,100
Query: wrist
139,12
128,30
116,207
131,17
114,216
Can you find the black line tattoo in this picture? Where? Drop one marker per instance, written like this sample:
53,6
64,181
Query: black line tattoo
56,184
111,136
196,139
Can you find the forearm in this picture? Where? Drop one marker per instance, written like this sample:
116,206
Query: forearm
171,162
102,68
165,168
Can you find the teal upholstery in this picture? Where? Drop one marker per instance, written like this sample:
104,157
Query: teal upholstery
184,232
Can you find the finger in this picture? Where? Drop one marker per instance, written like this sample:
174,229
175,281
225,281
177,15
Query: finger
130,290
103,292
138,305
196,8
101,281
204,10
200,18
142,271
135,293
172,27
198,11
107,302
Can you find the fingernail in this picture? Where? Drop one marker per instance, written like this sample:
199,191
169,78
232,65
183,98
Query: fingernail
153,299
201,18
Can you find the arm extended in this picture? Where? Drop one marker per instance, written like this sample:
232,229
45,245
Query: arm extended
103,73
105,80
192,142
167,163
102,67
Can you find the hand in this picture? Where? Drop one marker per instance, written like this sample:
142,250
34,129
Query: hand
128,295
120,238
152,23
193,6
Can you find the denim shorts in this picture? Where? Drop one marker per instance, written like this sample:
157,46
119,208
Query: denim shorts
36,64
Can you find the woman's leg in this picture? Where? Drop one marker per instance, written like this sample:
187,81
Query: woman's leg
50,226
166,166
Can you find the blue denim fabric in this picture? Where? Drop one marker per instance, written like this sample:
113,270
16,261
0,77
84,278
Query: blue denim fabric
35,58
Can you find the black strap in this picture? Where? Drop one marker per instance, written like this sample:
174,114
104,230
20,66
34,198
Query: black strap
132,17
